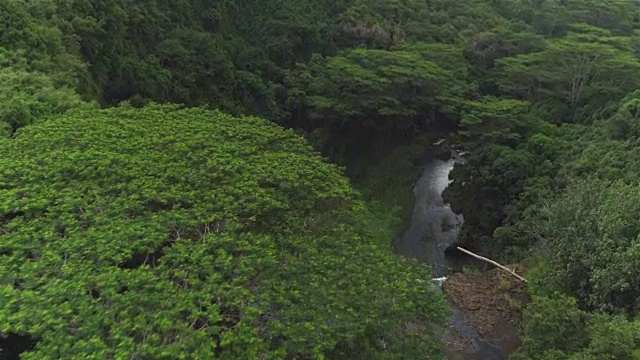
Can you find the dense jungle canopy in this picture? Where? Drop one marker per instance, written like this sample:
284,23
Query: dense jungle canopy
224,179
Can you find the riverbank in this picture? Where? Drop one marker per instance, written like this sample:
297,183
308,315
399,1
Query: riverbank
484,323
403,195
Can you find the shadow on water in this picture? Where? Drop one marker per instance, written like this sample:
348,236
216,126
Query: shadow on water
434,228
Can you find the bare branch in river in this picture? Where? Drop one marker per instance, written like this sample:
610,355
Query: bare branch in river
512,272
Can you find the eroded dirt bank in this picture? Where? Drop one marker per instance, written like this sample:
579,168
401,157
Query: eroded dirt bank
492,301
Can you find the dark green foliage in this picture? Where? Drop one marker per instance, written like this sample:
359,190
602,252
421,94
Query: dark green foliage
506,40
498,175
167,233
555,329
553,18
554,326
625,124
594,225
35,45
495,121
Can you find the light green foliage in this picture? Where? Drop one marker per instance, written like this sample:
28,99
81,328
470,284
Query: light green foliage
28,96
452,59
571,78
496,121
164,233
368,98
371,84
614,338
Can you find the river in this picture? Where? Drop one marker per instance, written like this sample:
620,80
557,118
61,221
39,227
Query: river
434,227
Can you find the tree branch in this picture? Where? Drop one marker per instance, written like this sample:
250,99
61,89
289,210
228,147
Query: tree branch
512,272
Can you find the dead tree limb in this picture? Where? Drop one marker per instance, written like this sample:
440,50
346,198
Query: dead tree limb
512,272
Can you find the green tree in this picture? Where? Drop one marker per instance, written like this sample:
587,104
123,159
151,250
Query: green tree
625,124
29,95
379,84
572,79
555,329
165,233
484,48
489,182
495,121
376,93
39,46
591,235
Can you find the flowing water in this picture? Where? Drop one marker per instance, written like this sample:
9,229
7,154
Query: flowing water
434,227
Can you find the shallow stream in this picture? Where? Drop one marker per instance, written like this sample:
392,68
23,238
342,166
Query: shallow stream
435,227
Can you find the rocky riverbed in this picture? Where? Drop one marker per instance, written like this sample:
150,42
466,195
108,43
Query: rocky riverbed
491,301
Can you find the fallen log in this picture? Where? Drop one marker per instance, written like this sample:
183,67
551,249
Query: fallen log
512,272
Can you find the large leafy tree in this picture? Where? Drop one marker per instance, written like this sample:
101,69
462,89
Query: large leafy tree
164,233
370,91
495,121
573,78
372,84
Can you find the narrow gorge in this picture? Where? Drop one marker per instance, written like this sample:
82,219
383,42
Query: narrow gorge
433,230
